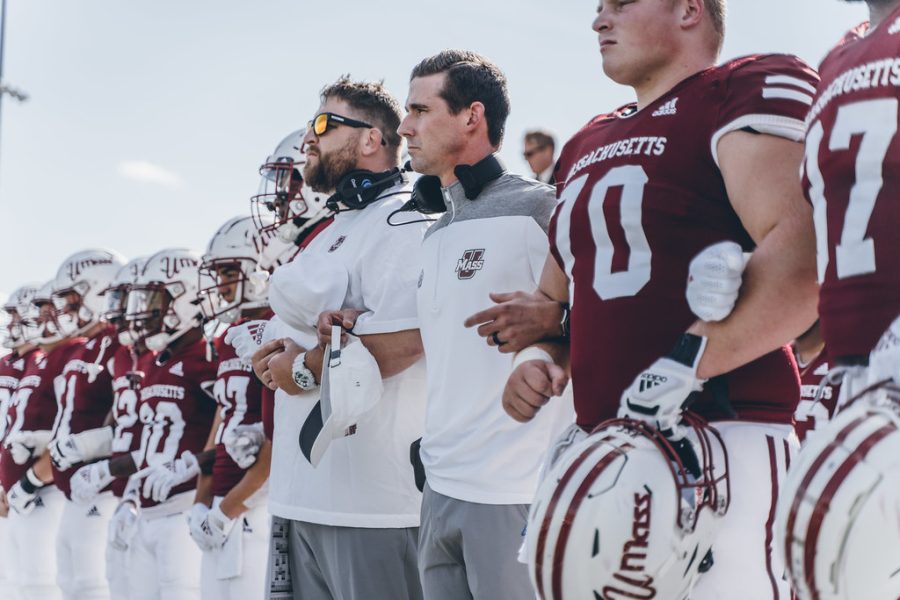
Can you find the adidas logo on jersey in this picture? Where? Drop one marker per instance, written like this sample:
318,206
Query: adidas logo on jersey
822,370
93,512
177,369
666,109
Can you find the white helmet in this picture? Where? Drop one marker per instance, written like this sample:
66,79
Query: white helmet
251,254
838,517
115,298
283,193
162,302
47,328
87,273
21,327
627,514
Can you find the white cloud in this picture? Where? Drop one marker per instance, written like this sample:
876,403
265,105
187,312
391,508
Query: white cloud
147,172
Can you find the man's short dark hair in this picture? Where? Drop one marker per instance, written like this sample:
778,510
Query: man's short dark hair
374,103
540,138
471,78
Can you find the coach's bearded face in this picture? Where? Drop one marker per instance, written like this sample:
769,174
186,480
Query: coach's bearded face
324,169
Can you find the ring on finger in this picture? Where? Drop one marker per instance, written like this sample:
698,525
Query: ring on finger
497,339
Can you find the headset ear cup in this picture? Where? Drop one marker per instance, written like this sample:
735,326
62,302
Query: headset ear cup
427,195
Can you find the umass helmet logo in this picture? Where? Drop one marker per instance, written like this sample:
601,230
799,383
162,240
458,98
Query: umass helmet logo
471,261
75,267
172,265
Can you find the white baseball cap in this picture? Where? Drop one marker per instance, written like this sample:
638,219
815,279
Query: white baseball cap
350,387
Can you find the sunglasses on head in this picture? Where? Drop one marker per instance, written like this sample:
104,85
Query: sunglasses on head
322,122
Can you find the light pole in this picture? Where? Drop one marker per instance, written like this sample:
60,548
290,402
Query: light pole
5,89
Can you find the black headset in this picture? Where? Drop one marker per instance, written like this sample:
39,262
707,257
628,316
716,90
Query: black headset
360,188
428,199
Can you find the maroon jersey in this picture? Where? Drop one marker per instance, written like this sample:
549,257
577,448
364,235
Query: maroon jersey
176,407
640,195
268,411
851,176
33,406
238,396
12,367
86,394
126,371
810,413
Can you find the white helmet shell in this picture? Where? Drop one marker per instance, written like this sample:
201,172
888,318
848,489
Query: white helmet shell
284,194
21,327
255,253
162,302
838,517
620,516
89,273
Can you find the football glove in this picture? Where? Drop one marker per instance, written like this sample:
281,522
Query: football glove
216,527
25,445
714,280
658,395
243,443
75,448
200,534
161,478
22,496
89,480
246,338
123,525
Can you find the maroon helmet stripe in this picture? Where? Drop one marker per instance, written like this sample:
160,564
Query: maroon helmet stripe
559,553
807,479
551,509
773,501
824,502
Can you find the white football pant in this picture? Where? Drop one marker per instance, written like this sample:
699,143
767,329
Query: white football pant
163,560
117,573
747,564
238,570
7,585
33,549
81,548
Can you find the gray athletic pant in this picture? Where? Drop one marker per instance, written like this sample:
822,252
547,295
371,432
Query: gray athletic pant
469,550
322,562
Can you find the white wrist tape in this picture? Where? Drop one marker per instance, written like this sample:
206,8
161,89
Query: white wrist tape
94,443
531,353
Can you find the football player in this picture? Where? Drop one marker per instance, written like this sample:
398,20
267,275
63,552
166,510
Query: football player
706,153
85,398
25,468
851,176
228,521
15,339
175,408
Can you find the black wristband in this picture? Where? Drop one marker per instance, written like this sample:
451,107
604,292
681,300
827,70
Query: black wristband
27,482
686,349
564,323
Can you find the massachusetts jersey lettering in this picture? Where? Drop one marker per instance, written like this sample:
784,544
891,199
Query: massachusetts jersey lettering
817,396
175,410
239,398
851,175
640,195
86,396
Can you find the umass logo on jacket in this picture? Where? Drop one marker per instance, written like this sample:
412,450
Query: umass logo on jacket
471,261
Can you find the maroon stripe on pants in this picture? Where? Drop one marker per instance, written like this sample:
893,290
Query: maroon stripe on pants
773,478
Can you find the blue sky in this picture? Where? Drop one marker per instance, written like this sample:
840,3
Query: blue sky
147,120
